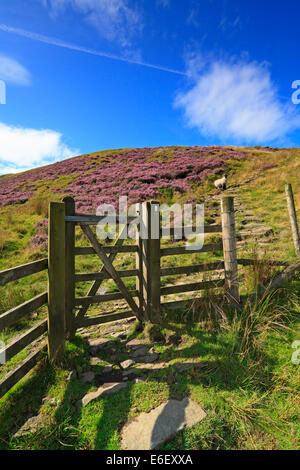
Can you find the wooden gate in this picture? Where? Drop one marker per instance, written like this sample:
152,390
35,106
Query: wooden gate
67,312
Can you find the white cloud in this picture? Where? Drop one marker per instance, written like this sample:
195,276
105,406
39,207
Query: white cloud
22,148
114,19
13,72
236,101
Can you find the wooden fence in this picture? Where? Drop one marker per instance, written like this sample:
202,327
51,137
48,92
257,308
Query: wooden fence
16,314
67,313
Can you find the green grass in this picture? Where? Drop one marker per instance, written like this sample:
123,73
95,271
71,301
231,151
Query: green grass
250,390
251,399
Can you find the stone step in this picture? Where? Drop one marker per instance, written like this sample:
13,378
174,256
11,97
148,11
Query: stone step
150,430
257,233
251,220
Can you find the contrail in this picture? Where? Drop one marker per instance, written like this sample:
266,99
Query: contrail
74,47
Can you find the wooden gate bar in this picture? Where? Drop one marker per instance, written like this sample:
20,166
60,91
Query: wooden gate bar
96,285
105,275
105,318
95,299
195,286
165,232
89,250
182,250
194,268
109,267
98,219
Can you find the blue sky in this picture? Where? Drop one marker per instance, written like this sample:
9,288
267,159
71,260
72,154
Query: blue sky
87,75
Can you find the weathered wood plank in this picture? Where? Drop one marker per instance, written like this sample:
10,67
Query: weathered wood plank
251,262
24,340
206,229
56,284
181,250
24,270
99,219
139,264
17,313
192,287
229,250
107,249
177,304
95,299
293,217
69,268
13,377
84,277
196,268
181,304
150,244
110,268
99,319
96,285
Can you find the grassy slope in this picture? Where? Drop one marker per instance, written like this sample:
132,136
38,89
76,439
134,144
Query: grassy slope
251,394
220,391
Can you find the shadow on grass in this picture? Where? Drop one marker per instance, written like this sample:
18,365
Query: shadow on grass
27,398
24,401
219,369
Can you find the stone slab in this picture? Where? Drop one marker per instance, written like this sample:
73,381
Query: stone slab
87,377
136,343
150,430
148,359
140,351
33,425
104,390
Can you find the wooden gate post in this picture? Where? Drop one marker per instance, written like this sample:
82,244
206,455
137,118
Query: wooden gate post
293,217
70,268
56,282
139,264
150,252
229,249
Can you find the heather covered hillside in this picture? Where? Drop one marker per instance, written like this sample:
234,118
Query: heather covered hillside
256,177
139,173
242,371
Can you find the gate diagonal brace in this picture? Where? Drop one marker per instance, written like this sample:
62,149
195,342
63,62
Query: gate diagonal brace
109,268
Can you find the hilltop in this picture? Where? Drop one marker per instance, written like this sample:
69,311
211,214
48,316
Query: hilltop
169,174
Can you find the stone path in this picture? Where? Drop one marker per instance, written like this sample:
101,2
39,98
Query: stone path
150,430
114,375
250,226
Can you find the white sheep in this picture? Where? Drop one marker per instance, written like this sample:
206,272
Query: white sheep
221,183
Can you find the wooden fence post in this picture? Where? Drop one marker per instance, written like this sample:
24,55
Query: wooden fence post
293,217
70,268
56,283
229,249
139,264
150,244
